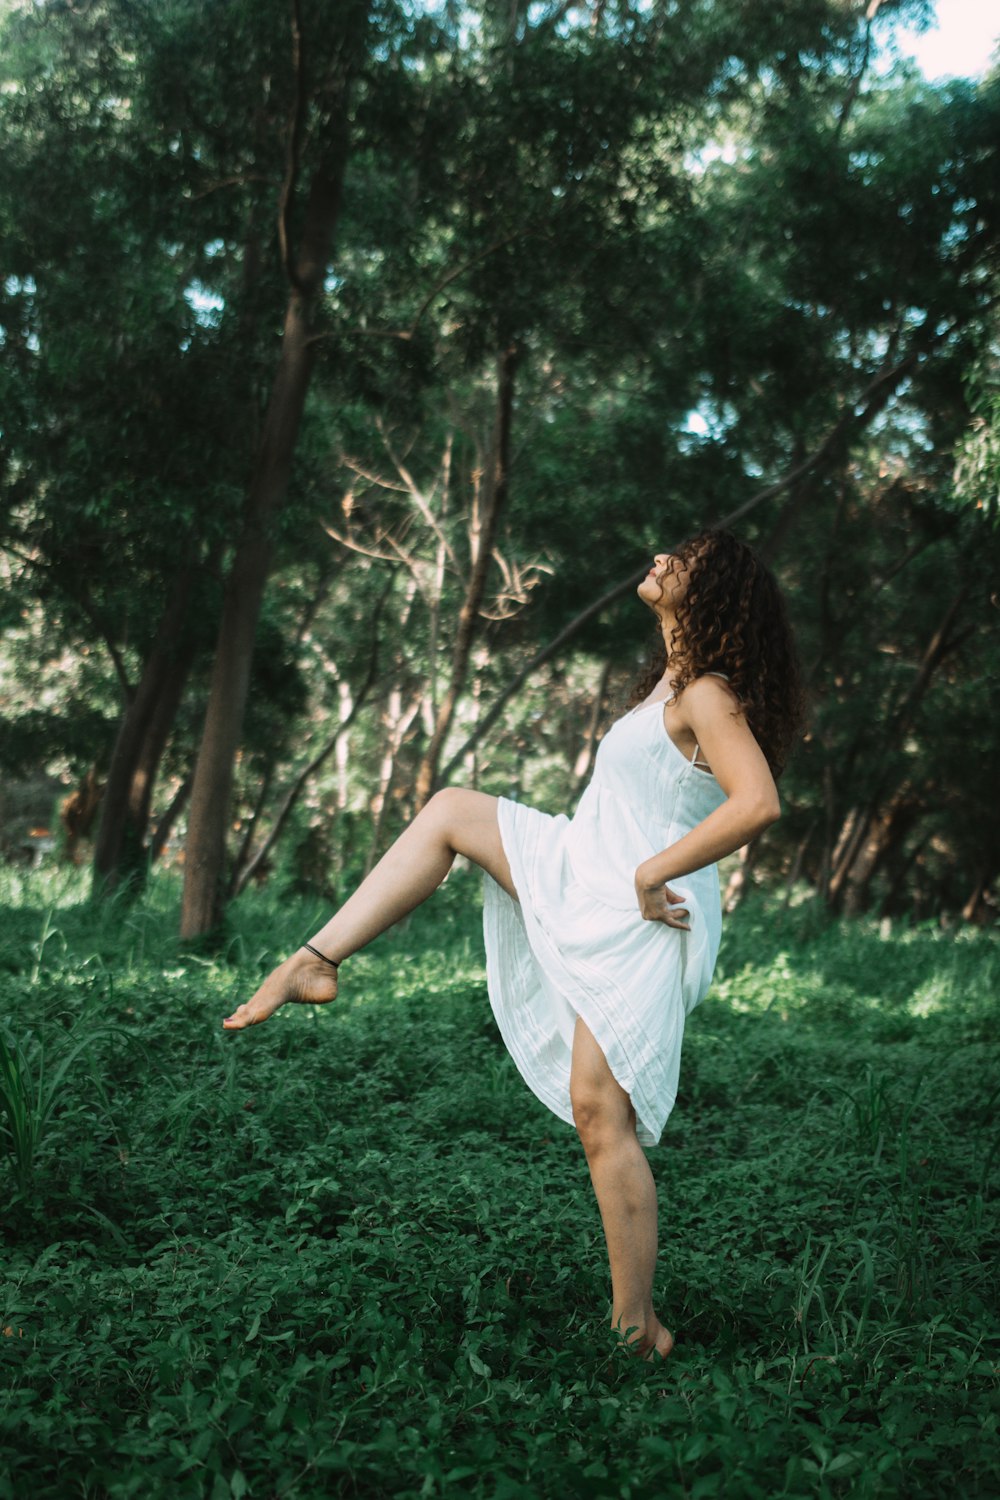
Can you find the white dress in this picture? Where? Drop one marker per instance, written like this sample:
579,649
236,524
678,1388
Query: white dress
574,943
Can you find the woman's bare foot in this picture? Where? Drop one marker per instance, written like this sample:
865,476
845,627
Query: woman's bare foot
649,1342
300,980
662,1344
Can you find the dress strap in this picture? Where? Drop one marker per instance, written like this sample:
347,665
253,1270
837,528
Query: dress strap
704,765
653,703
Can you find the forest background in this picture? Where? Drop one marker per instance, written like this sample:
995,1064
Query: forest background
354,360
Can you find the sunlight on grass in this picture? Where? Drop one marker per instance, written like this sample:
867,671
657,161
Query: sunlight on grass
933,996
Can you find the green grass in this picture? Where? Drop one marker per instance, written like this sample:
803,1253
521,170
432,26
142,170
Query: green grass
348,1253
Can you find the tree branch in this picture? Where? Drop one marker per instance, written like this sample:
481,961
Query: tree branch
482,535
353,546
872,10
453,275
296,121
538,660
83,603
240,180
508,239
417,495
375,480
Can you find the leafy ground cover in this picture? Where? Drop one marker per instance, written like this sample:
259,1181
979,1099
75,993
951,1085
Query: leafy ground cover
349,1254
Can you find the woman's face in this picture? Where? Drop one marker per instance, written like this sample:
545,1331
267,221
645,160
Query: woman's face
666,583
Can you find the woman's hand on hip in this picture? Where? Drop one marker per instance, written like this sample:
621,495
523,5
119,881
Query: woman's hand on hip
658,903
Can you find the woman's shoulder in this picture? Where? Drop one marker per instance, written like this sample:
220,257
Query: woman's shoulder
711,693
711,685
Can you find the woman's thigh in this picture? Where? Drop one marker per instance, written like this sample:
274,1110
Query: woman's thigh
471,828
600,1104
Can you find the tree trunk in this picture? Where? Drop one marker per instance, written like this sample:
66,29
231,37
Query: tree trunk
795,869
248,833
495,496
342,753
854,837
78,811
165,826
739,879
975,907
136,854
119,853
887,830
205,853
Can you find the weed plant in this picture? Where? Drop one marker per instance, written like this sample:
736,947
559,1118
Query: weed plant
349,1254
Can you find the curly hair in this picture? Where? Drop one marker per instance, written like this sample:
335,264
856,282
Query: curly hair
733,620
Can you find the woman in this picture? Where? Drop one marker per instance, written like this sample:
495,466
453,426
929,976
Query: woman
595,952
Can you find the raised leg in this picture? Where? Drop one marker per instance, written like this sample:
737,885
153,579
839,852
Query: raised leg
626,1193
455,821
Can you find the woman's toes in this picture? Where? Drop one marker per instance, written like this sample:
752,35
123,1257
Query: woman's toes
304,982
256,1009
239,1018
647,1342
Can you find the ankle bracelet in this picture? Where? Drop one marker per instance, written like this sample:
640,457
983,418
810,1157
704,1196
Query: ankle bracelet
334,963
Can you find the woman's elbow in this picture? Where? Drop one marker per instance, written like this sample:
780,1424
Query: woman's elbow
768,811
760,812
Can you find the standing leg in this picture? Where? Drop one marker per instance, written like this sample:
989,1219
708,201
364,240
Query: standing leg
455,821
626,1193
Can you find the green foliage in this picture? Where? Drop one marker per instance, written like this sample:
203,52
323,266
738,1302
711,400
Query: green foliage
30,1088
37,1068
348,1252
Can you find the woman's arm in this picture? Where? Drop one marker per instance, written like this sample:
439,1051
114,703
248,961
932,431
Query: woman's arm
751,804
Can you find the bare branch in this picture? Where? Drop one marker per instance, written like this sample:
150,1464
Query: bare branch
540,657
355,546
375,480
417,494
518,583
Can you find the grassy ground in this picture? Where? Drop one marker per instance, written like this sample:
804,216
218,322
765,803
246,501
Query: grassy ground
349,1254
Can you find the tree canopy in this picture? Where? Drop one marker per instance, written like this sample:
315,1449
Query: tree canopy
349,355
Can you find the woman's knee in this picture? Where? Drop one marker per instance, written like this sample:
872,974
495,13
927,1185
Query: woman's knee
601,1118
447,805
442,811
445,813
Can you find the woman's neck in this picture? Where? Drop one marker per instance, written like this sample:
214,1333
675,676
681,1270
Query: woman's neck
668,627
